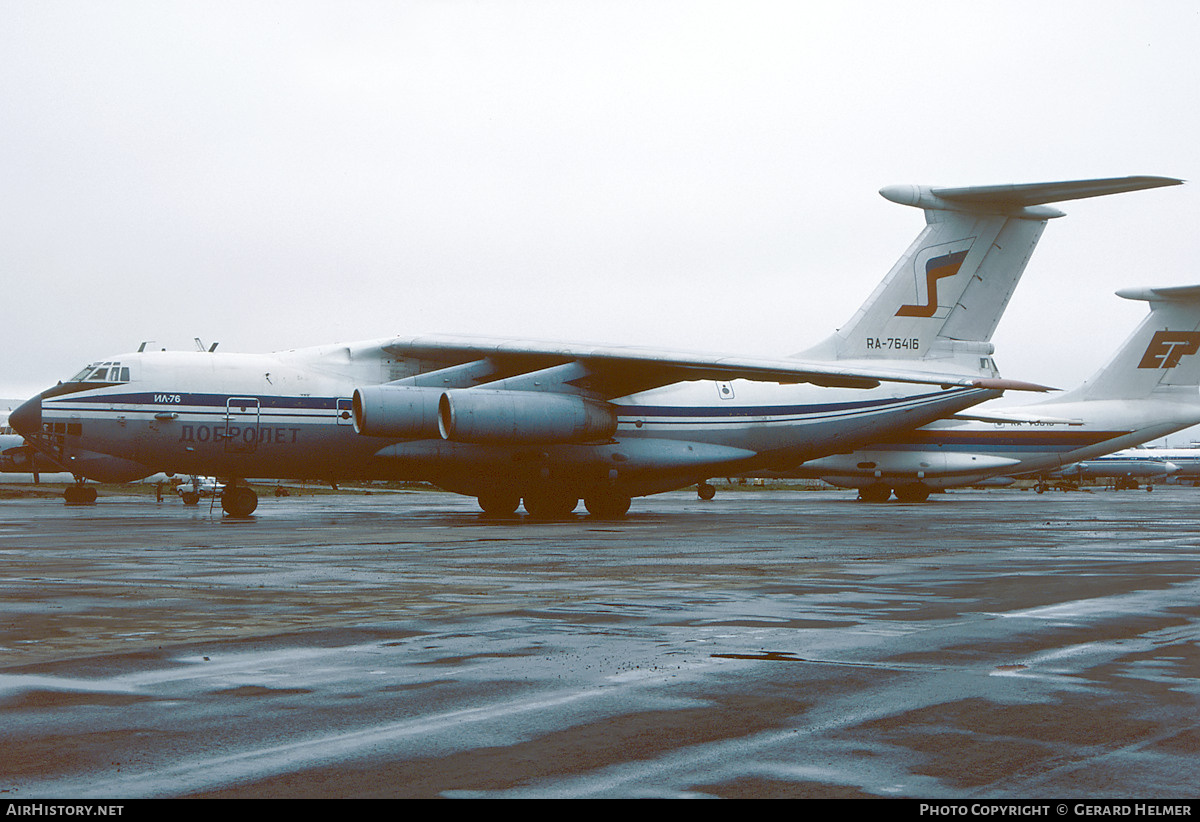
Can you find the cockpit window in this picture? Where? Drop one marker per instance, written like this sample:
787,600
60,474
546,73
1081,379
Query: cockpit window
106,372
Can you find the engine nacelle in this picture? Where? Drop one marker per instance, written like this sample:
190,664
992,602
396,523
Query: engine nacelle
402,411
492,417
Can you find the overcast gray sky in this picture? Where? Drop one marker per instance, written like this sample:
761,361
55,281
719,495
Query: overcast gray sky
695,175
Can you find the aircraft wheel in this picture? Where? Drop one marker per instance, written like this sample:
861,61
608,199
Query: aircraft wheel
875,493
706,491
550,504
79,495
499,503
239,501
607,506
912,493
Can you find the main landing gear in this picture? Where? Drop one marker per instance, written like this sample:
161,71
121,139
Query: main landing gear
79,494
879,492
550,503
610,505
553,503
499,503
874,493
917,492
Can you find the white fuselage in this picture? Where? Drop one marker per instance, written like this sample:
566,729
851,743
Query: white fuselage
1176,463
950,453
289,415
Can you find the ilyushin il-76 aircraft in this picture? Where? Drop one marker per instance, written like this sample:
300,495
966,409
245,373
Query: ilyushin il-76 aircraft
1149,389
512,422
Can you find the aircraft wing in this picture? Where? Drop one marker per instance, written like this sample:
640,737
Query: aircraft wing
616,371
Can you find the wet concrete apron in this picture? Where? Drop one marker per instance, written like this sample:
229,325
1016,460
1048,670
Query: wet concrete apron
992,644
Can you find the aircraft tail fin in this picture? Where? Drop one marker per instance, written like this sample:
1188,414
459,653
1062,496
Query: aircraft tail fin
1162,356
942,300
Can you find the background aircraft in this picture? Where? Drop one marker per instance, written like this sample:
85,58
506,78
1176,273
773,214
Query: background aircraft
507,421
1176,465
1127,468
1148,390
19,457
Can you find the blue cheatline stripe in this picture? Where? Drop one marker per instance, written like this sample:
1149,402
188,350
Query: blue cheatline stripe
216,413
204,400
191,403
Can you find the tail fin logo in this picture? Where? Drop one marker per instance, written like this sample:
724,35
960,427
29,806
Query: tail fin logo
936,268
1167,348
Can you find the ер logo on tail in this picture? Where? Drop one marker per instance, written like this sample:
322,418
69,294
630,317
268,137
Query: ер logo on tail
1167,348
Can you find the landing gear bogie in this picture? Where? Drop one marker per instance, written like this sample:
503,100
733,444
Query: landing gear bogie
607,506
875,493
499,503
917,492
79,494
550,504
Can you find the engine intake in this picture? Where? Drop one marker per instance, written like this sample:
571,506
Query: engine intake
396,411
486,416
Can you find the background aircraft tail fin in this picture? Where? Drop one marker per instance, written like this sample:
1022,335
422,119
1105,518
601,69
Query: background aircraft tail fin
943,298
1162,356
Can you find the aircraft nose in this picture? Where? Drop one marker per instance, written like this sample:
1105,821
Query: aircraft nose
26,420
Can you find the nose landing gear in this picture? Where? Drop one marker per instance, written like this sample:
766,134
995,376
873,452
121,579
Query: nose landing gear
238,500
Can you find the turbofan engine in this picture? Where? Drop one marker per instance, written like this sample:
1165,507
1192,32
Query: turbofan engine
486,416
402,411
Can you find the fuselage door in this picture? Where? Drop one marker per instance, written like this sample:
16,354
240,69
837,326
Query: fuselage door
345,411
241,425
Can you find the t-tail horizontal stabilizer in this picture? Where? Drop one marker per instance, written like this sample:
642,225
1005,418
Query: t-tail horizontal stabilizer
1007,199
